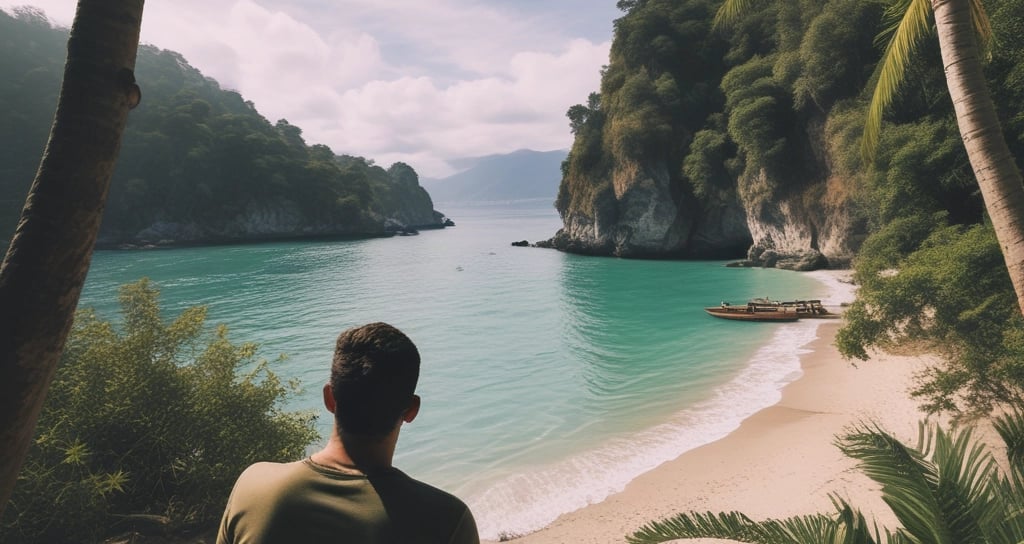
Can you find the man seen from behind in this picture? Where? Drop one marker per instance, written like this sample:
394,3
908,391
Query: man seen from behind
349,492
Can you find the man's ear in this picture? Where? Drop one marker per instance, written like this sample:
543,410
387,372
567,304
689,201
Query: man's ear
413,410
329,398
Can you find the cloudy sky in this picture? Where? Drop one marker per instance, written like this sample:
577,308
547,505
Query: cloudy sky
421,81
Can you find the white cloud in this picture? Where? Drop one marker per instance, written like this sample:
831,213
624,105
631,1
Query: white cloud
390,80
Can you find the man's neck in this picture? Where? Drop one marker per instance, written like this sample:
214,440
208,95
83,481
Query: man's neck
364,453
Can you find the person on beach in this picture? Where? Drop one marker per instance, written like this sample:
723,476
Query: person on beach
349,491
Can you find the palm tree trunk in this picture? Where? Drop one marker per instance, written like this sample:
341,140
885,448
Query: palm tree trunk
46,264
994,167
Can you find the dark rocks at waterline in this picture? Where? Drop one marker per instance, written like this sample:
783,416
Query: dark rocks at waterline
769,258
521,243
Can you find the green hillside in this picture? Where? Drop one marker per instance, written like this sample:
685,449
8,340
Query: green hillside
198,162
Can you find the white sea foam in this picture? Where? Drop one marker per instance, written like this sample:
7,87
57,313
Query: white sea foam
528,501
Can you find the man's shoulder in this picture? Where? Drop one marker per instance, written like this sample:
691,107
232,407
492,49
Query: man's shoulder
266,469
430,514
265,476
395,479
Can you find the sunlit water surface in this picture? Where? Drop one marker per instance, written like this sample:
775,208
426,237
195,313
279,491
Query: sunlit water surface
549,380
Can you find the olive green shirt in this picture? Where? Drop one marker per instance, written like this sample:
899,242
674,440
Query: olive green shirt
306,502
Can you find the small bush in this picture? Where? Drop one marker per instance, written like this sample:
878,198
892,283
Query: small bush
151,420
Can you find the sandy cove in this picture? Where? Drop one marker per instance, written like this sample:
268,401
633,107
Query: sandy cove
780,462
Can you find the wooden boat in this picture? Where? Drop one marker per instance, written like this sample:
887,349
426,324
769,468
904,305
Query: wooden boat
751,312
811,309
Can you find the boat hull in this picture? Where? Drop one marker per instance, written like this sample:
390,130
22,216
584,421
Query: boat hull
742,313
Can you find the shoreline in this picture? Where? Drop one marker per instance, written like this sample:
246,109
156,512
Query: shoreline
780,462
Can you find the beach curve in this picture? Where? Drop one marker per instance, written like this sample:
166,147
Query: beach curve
781,461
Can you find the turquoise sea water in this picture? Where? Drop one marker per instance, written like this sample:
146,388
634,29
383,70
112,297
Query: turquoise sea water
549,380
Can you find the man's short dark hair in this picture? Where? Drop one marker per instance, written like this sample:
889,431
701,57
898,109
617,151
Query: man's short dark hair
373,377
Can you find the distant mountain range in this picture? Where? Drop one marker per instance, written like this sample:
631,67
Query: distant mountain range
518,175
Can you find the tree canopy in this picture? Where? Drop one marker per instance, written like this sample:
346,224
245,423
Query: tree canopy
193,154
150,420
771,109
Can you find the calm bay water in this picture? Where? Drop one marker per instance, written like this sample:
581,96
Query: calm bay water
549,380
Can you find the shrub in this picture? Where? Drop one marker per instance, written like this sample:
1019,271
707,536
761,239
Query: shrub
156,419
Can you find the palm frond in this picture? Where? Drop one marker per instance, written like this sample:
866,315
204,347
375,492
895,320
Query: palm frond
907,33
945,491
982,26
813,529
732,525
1011,429
909,482
967,492
730,12
856,529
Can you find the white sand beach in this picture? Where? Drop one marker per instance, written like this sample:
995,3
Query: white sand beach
780,462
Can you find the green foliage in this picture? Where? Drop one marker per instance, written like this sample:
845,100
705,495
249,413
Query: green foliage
158,418
941,491
834,53
736,526
923,280
39,65
1006,70
659,87
946,490
640,128
758,112
192,152
922,168
720,107
907,26
706,164
931,271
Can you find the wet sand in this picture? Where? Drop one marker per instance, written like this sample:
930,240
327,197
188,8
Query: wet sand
780,462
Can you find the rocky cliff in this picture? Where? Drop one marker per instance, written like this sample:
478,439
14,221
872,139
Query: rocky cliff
704,143
639,213
643,212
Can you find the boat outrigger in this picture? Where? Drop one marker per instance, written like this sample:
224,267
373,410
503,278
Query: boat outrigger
762,309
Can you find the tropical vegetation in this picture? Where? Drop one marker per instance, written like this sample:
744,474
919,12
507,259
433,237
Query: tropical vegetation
772,108
948,489
44,269
769,109
194,154
147,425
935,268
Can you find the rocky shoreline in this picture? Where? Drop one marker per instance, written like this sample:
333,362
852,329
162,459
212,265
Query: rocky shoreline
194,239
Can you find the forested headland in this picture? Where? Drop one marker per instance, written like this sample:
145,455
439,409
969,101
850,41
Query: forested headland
739,141
744,140
199,163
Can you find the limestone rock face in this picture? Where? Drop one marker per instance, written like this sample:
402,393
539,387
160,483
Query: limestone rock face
635,215
262,218
277,219
803,223
406,203
721,231
804,231
257,221
638,214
